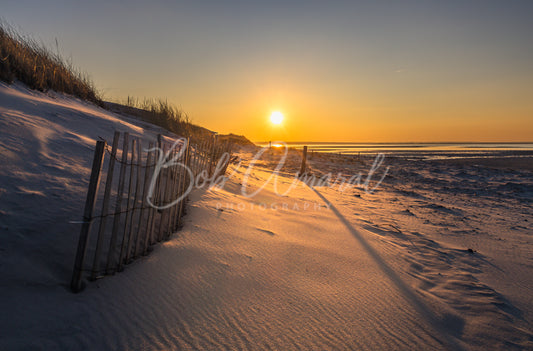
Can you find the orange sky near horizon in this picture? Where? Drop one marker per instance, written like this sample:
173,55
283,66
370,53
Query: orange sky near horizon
461,115
340,71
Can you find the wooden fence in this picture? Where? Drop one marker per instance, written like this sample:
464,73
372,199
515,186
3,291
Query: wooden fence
126,215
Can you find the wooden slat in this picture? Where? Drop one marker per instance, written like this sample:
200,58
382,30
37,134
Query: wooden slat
126,233
111,265
76,282
150,210
105,207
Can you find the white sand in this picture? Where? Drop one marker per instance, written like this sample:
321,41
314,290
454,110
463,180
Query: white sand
309,270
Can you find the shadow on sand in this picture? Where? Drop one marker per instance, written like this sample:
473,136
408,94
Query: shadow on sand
448,326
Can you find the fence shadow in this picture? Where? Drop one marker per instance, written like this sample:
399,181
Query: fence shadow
448,326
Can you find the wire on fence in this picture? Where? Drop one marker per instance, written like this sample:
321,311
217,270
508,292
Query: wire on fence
143,225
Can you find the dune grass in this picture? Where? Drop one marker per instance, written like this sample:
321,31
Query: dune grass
160,112
23,58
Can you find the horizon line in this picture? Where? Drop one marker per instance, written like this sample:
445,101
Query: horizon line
395,142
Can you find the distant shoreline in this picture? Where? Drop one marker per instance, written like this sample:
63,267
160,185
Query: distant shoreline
400,143
421,150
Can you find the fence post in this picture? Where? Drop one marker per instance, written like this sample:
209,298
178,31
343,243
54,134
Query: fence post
205,155
211,155
173,188
118,206
228,150
183,178
164,198
155,194
92,192
105,206
143,208
150,209
304,159
125,232
133,229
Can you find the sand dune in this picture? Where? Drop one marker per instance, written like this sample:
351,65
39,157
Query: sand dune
317,269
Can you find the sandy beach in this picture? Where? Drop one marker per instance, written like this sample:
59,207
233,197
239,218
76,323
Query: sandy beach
413,255
522,163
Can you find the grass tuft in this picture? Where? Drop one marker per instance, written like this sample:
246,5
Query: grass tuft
24,59
160,112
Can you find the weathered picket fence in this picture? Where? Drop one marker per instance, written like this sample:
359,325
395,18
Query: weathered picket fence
144,204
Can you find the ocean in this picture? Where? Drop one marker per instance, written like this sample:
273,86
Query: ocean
420,150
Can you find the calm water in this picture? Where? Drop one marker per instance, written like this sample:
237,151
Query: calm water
428,150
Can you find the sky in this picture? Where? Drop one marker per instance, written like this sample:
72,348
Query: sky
346,71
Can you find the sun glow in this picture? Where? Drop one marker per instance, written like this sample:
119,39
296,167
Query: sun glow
276,117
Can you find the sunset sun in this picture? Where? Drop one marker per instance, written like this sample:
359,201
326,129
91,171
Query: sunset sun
276,117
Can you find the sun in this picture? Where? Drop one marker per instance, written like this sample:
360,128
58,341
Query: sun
276,117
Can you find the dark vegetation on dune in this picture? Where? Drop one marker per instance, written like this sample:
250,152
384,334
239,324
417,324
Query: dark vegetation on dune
236,139
161,113
26,60
156,111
